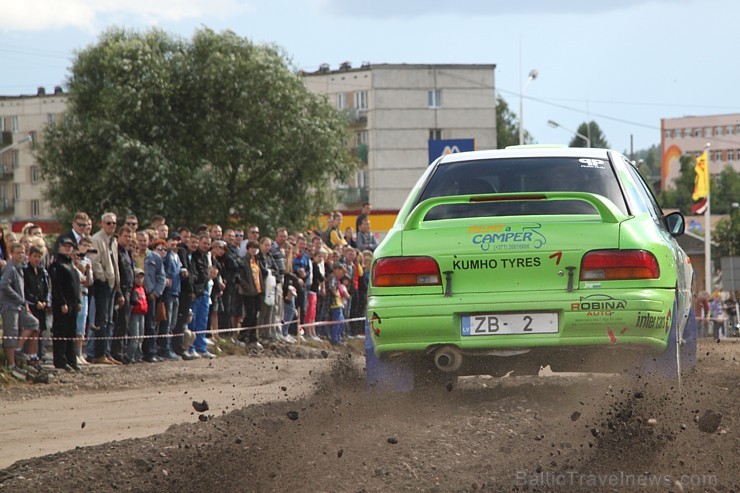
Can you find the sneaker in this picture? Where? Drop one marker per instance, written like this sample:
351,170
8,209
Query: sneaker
171,356
256,346
82,361
189,356
209,342
17,372
206,354
151,359
289,339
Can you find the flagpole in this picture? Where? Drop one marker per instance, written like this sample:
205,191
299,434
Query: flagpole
708,231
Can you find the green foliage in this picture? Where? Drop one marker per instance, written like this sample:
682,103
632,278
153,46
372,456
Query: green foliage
507,126
679,197
724,188
198,130
727,236
593,132
648,164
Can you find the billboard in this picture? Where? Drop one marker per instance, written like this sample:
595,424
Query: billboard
442,147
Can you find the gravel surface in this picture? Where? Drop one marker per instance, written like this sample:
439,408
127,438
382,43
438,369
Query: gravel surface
546,433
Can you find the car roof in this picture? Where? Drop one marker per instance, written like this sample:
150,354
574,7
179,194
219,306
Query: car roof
526,152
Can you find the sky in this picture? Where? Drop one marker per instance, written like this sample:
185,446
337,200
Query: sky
624,64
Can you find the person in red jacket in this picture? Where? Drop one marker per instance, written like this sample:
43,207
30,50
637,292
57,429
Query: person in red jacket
139,310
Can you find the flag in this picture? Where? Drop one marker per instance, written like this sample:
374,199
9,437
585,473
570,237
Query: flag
699,207
701,180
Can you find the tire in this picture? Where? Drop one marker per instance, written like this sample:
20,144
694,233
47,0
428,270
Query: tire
667,365
688,342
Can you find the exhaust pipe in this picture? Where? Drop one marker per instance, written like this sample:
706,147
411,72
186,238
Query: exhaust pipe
448,358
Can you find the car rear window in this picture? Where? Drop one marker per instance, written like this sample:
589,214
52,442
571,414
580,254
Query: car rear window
541,174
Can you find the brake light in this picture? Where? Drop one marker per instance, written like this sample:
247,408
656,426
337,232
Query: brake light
612,265
406,271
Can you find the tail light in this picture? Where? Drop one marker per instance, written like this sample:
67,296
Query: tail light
613,265
406,271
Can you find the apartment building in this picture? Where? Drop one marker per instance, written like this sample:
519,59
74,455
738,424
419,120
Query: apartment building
22,123
690,134
398,113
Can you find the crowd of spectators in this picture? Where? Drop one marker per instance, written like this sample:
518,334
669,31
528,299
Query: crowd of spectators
128,294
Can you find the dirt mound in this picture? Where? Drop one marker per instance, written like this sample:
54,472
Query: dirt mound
559,433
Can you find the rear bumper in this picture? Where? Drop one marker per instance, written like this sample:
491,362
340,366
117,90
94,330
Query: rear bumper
637,319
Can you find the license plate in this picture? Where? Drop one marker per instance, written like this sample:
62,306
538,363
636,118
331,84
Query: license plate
509,323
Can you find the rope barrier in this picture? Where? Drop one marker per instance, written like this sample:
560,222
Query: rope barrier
217,331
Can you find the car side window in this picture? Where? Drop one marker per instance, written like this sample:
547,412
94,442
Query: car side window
645,195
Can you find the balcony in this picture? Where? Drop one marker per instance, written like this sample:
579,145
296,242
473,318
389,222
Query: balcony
353,195
356,116
7,206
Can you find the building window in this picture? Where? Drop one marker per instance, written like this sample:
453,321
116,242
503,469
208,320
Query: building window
33,136
34,174
15,158
668,134
361,100
14,125
434,98
35,208
51,119
2,124
16,191
730,154
728,130
341,101
361,138
435,134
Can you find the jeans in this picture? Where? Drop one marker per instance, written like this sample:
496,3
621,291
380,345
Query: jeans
103,318
200,323
82,316
288,316
167,327
337,315
135,331
149,344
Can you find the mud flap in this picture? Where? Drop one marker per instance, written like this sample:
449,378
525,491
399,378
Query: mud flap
385,376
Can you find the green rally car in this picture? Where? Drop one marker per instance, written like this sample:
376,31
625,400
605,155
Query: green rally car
510,260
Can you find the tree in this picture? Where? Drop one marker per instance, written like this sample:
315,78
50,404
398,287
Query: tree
593,132
679,197
648,164
727,236
507,126
724,188
197,130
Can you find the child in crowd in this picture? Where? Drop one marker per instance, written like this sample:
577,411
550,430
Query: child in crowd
18,323
336,302
37,296
84,270
139,310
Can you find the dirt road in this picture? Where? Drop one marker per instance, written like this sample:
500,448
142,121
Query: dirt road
574,433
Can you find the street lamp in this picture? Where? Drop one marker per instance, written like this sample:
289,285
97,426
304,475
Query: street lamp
22,141
532,76
554,124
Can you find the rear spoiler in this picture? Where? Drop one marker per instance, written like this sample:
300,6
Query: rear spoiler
609,212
